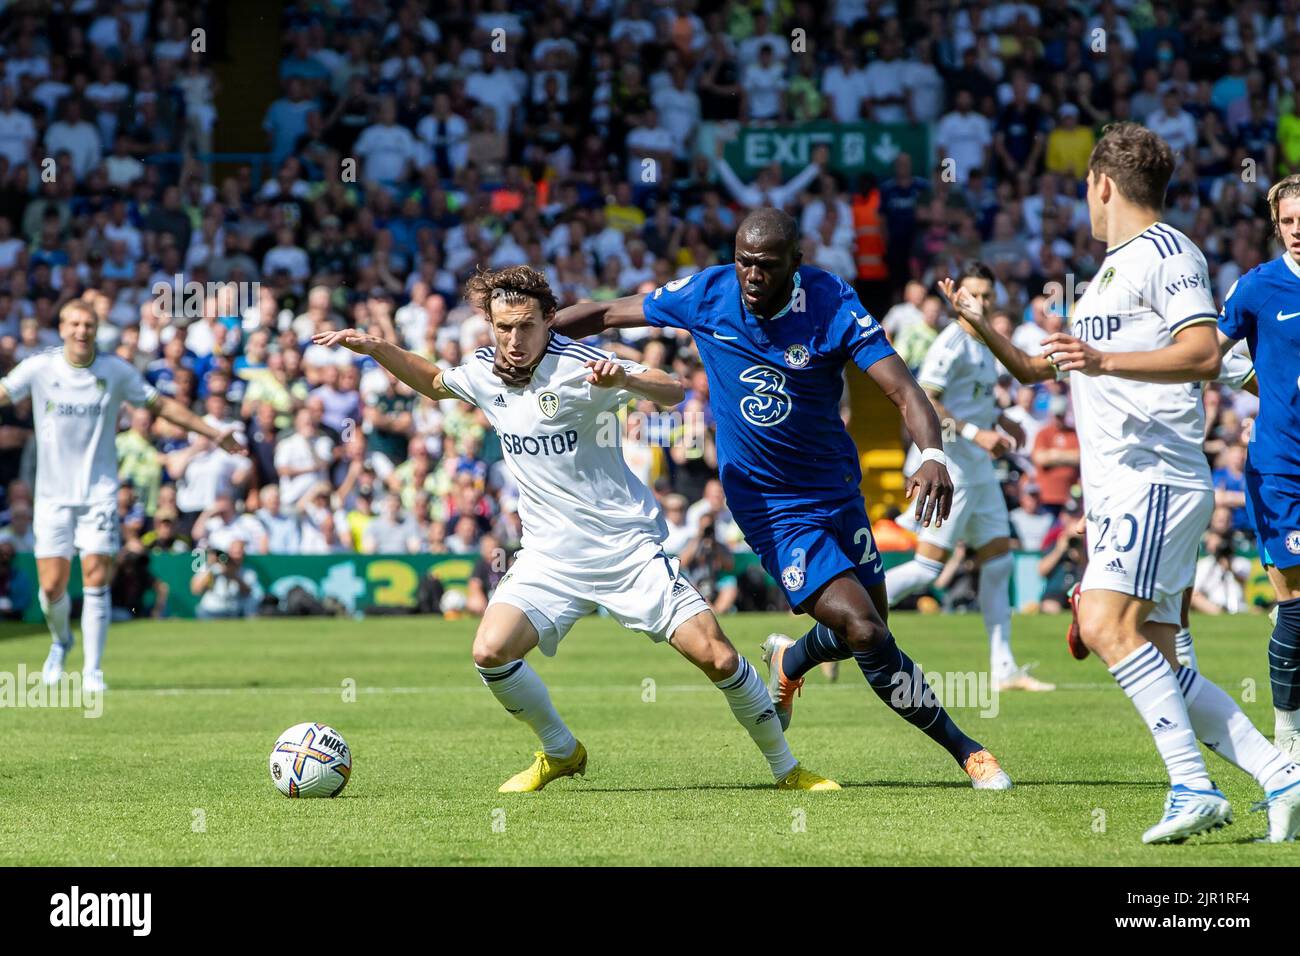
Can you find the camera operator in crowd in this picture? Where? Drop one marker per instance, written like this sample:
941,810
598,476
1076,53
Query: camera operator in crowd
225,588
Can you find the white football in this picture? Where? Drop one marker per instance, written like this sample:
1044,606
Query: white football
311,760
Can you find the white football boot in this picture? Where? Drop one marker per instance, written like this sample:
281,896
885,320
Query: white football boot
1189,812
92,682
1283,808
53,668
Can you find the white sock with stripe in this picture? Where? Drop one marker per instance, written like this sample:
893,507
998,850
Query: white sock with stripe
1221,726
56,614
95,610
1183,648
910,577
1148,680
995,605
524,696
747,696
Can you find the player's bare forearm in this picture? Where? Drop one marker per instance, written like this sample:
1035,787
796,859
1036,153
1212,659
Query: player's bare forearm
930,483
658,386
591,318
1026,368
178,414
1193,357
415,370
4,397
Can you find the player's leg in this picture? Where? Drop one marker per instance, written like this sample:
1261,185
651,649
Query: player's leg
1284,658
53,526
700,640
96,611
1220,724
1183,646
843,605
529,609
1273,505
647,593
53,574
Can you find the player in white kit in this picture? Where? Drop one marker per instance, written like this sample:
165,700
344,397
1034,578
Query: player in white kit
76,395
959,375
592,532
1144,338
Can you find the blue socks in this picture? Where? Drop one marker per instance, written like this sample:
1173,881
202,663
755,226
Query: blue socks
1284,656
902,685
818,646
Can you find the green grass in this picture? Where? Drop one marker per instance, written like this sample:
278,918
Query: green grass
194,709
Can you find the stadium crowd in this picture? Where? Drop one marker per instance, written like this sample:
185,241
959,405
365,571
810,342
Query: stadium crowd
406,149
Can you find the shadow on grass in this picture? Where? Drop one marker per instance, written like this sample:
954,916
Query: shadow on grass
876,784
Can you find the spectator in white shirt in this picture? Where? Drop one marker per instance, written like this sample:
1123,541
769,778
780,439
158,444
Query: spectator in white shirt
884,81
751,48
763,87
17,130
842,83
964,136
387,149
1221,575
678,107
302,459
495,87
445,137
767,189
649,140
287,255
1174,123
78,138
825,253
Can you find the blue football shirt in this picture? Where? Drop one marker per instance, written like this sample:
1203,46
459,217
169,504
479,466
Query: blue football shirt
775,384
1264,309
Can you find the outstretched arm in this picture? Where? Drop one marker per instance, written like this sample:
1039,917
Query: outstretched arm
419,373
654,384
591,318
930,483
1193,357
1027,368
178,414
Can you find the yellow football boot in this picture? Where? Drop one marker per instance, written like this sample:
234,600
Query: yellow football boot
801,779
544,769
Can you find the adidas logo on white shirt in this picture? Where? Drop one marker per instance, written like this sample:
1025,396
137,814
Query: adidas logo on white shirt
1115,566
499,401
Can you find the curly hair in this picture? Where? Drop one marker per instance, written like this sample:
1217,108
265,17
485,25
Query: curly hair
515,285
1287,188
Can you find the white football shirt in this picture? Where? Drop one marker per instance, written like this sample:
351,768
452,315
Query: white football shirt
1147,290
562,441
963,370
75,411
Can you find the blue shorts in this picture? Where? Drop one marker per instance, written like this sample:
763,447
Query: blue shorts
805,547
1273,504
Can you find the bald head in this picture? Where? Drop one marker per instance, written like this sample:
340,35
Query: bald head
767,257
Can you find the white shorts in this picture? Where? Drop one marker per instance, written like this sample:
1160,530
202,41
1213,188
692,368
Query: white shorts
645,593
62,530
978,515
1144,540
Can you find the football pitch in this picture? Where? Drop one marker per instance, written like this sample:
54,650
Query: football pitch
174,772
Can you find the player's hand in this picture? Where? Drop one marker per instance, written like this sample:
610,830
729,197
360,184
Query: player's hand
1069,354
1014,430
513,376
994,442
362,343
932,487
962,301
606,373
228,442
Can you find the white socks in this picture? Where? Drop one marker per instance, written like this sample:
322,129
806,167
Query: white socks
1146,677
1286,723
56,618
913,576
1183,649
1221,726
747,696
995,605
95,612
522,693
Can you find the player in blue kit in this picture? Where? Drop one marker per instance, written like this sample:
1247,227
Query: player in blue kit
774,336
1264,309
